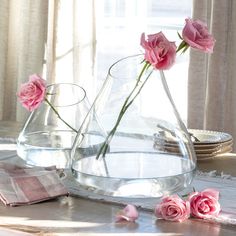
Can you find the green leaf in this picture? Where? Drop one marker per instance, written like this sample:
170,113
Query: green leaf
142,61
179,35
185,49
183,46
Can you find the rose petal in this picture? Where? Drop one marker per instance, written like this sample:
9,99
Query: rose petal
212,192
129,213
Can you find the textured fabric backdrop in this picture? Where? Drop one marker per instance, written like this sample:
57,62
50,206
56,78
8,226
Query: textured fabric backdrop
212,78
44,37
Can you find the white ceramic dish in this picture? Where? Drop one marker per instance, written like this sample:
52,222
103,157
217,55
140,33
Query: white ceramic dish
210,137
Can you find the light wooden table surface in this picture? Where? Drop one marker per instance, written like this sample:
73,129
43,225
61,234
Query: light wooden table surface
77,216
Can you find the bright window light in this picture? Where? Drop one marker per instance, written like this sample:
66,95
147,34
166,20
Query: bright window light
119,27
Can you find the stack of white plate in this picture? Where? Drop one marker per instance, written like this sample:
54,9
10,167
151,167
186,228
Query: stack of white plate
207,144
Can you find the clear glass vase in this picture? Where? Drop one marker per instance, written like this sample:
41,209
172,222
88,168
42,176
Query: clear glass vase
49,132
150,153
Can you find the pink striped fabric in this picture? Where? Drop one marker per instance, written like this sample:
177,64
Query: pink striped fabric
23,186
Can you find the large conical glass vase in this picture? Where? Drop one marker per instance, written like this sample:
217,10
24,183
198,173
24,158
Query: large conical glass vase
150,152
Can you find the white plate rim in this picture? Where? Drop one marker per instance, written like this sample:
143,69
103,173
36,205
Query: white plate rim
221,137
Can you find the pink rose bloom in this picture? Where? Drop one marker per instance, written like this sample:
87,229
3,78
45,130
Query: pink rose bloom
129,213
205,204
159,52
32,93
173,208
196,35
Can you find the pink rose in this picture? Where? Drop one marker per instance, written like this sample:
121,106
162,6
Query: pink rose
173,208
196,35
159,52
204,204
32,93
129,213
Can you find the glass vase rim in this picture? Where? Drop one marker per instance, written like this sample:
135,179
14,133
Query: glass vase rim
72,84
122,59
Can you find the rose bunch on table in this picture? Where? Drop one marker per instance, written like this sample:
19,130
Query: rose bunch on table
160,54
202,205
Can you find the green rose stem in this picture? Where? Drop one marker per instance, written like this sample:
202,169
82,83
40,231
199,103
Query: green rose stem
53,108
125,106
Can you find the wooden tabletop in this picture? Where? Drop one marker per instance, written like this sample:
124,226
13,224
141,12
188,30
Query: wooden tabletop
74,216
78,216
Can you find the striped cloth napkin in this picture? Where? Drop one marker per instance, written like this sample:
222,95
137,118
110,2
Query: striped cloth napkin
22,186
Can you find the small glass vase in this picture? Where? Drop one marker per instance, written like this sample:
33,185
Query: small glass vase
151,153
50,130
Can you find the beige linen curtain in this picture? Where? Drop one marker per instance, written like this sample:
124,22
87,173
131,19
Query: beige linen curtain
212,78
23,26
54,38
